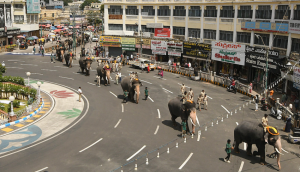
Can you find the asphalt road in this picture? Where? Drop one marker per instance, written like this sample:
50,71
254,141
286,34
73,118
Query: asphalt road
112,132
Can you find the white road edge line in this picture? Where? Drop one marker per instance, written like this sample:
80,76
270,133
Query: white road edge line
122,107
156,130
237,123
90,145
113,94
136,153
37,74
225,109
168,90
118,123
42,169
208,97
91,83
158,113
65,77
188,158
146,81
151,99
241,167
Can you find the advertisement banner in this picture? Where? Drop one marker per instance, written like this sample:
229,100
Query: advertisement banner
265,26
196,49
146,43
176,46
8,15
2,16
294,26
174,53
228,52
159,45
111,39
33,6
125,40
159,52
296,78
110,44
115,16
162,32
144,46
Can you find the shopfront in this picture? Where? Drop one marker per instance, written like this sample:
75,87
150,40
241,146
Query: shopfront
229,59
146,45
159,48
112,45
128,45
9,37
174,51
197,54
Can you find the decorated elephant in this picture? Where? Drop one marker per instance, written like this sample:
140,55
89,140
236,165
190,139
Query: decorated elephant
104,73
85,64
176,110
253,133
69,59
133,87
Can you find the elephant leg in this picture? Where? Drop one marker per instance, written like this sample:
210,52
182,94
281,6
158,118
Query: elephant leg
261,153
249,149
82,70
236,146
173,118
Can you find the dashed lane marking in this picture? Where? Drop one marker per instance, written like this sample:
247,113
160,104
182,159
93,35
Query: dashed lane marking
14,67
113,94
49,70
167,90
65,77
118,123
29,64
90,145
42,169
208,97
151,99
37,116
29,120
237,123
225,109
241,167
136,153
156,130
188,158
158,112
122,107
146,81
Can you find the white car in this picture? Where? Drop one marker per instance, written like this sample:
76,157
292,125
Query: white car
95,39
142,63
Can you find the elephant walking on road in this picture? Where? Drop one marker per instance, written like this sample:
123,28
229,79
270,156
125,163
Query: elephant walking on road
85,65
133,87
104,73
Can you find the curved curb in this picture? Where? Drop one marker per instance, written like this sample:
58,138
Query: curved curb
23,119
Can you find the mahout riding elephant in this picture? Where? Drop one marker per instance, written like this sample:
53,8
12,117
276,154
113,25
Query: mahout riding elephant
85,64
177,110
69,59
253,133
133,87
104,73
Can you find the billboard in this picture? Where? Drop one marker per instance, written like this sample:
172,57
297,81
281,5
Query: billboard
128,44
294,26
8,15
159,45
2,16
265,26
162,32
33,6
196,49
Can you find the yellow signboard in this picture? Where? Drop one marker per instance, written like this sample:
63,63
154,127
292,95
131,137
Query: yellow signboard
145,41
127,41
110,39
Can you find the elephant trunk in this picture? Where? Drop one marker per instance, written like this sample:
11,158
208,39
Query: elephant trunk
278,147
137,91
108,76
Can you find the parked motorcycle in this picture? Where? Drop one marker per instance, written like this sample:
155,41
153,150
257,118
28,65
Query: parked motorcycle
232,89
276,113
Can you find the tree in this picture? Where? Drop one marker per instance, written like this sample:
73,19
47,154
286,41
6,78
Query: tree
88,3
67,1
102,8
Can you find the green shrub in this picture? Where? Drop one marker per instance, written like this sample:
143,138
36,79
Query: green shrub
2,106
16,103
2,69
33,93
13,79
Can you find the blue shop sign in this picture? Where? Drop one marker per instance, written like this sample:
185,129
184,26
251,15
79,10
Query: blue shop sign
265,26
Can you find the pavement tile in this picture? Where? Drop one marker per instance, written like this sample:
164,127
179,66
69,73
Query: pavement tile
29,120
19,125
37,116
7,129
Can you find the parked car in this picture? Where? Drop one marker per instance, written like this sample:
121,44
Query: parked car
95,39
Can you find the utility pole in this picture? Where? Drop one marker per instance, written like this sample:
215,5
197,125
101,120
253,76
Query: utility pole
141,43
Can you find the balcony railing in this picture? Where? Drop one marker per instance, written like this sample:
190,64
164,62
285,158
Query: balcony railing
18,9
179,0
132,0
163,18
164,0
147,17
131,17
194,18
210,19
113,0
195,0
179,18
227,20
147,0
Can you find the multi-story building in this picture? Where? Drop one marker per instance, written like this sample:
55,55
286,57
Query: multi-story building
94,7
54,16
53,4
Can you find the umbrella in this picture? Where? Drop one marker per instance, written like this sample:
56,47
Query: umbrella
58,26
30,38
65,28
90,26
70,27
43,25
57,30
20,36
35,37
77,27
47,26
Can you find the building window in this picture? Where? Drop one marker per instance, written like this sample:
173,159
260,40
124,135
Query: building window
295,44
149,10
195,11
297,13
244,37
194,33
19,18
132,10
52,14
263,12
263,39
210,11
209,34
115,9
18,6
226,35
179,30
115,27
227,12
280,41
145,29
130,27
245,11
163,11
283,12
179,11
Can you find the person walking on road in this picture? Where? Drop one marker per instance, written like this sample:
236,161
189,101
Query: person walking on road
205,102
148,68
117,78
80,94
43,50
125,96
256,103
33,50
52,58
183,128
182,88
228,151
200,101
146,93
191,95
264,122
202,93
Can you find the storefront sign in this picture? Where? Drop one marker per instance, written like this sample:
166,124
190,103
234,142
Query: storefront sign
174,53
111,44
264,26
296,75
13,32
2,16
228,52
110,39
33,6
128,44
162,32
260,50
146,43
2,33
294,26
159,45
144,46
177,46
196,49
159,52
115,16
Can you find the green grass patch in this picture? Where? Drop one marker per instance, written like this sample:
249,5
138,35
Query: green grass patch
6,107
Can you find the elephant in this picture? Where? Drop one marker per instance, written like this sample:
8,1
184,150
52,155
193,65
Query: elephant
253,133
103,73
85,64
176,110
132,87
69,59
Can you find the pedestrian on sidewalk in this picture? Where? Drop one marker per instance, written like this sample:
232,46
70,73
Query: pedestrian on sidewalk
228,151
256,103
34,50
80,94
43,52
183,128
146,93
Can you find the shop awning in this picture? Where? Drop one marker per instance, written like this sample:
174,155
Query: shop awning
196,58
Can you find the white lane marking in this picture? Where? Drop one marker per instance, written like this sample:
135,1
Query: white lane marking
65,77
29,64
37,74
146,81
91,83
237,123
14,67
122,107
241,167
136,153
44,62
185,86
48,70
90,145
168,90
113,94
225,109
151,99
158,112
156,130
42,169
118,123
188,158
245,146
75,73
208,97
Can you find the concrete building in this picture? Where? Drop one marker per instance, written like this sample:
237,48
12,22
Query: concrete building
94,7
55,16
53,4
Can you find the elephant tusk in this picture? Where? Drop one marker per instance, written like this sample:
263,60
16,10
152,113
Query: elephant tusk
197,120
278,151
192,121
284,150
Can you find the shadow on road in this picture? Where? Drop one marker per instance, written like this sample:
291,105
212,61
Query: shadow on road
169,123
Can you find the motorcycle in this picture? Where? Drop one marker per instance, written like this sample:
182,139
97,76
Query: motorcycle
276,113
264,104
232,89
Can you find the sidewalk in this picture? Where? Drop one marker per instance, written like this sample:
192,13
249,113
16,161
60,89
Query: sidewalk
66,109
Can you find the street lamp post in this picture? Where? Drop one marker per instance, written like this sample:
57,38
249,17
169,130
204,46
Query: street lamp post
11,99
28,74
141,44
39,85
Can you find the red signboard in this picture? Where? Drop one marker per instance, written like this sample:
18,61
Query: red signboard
162,32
